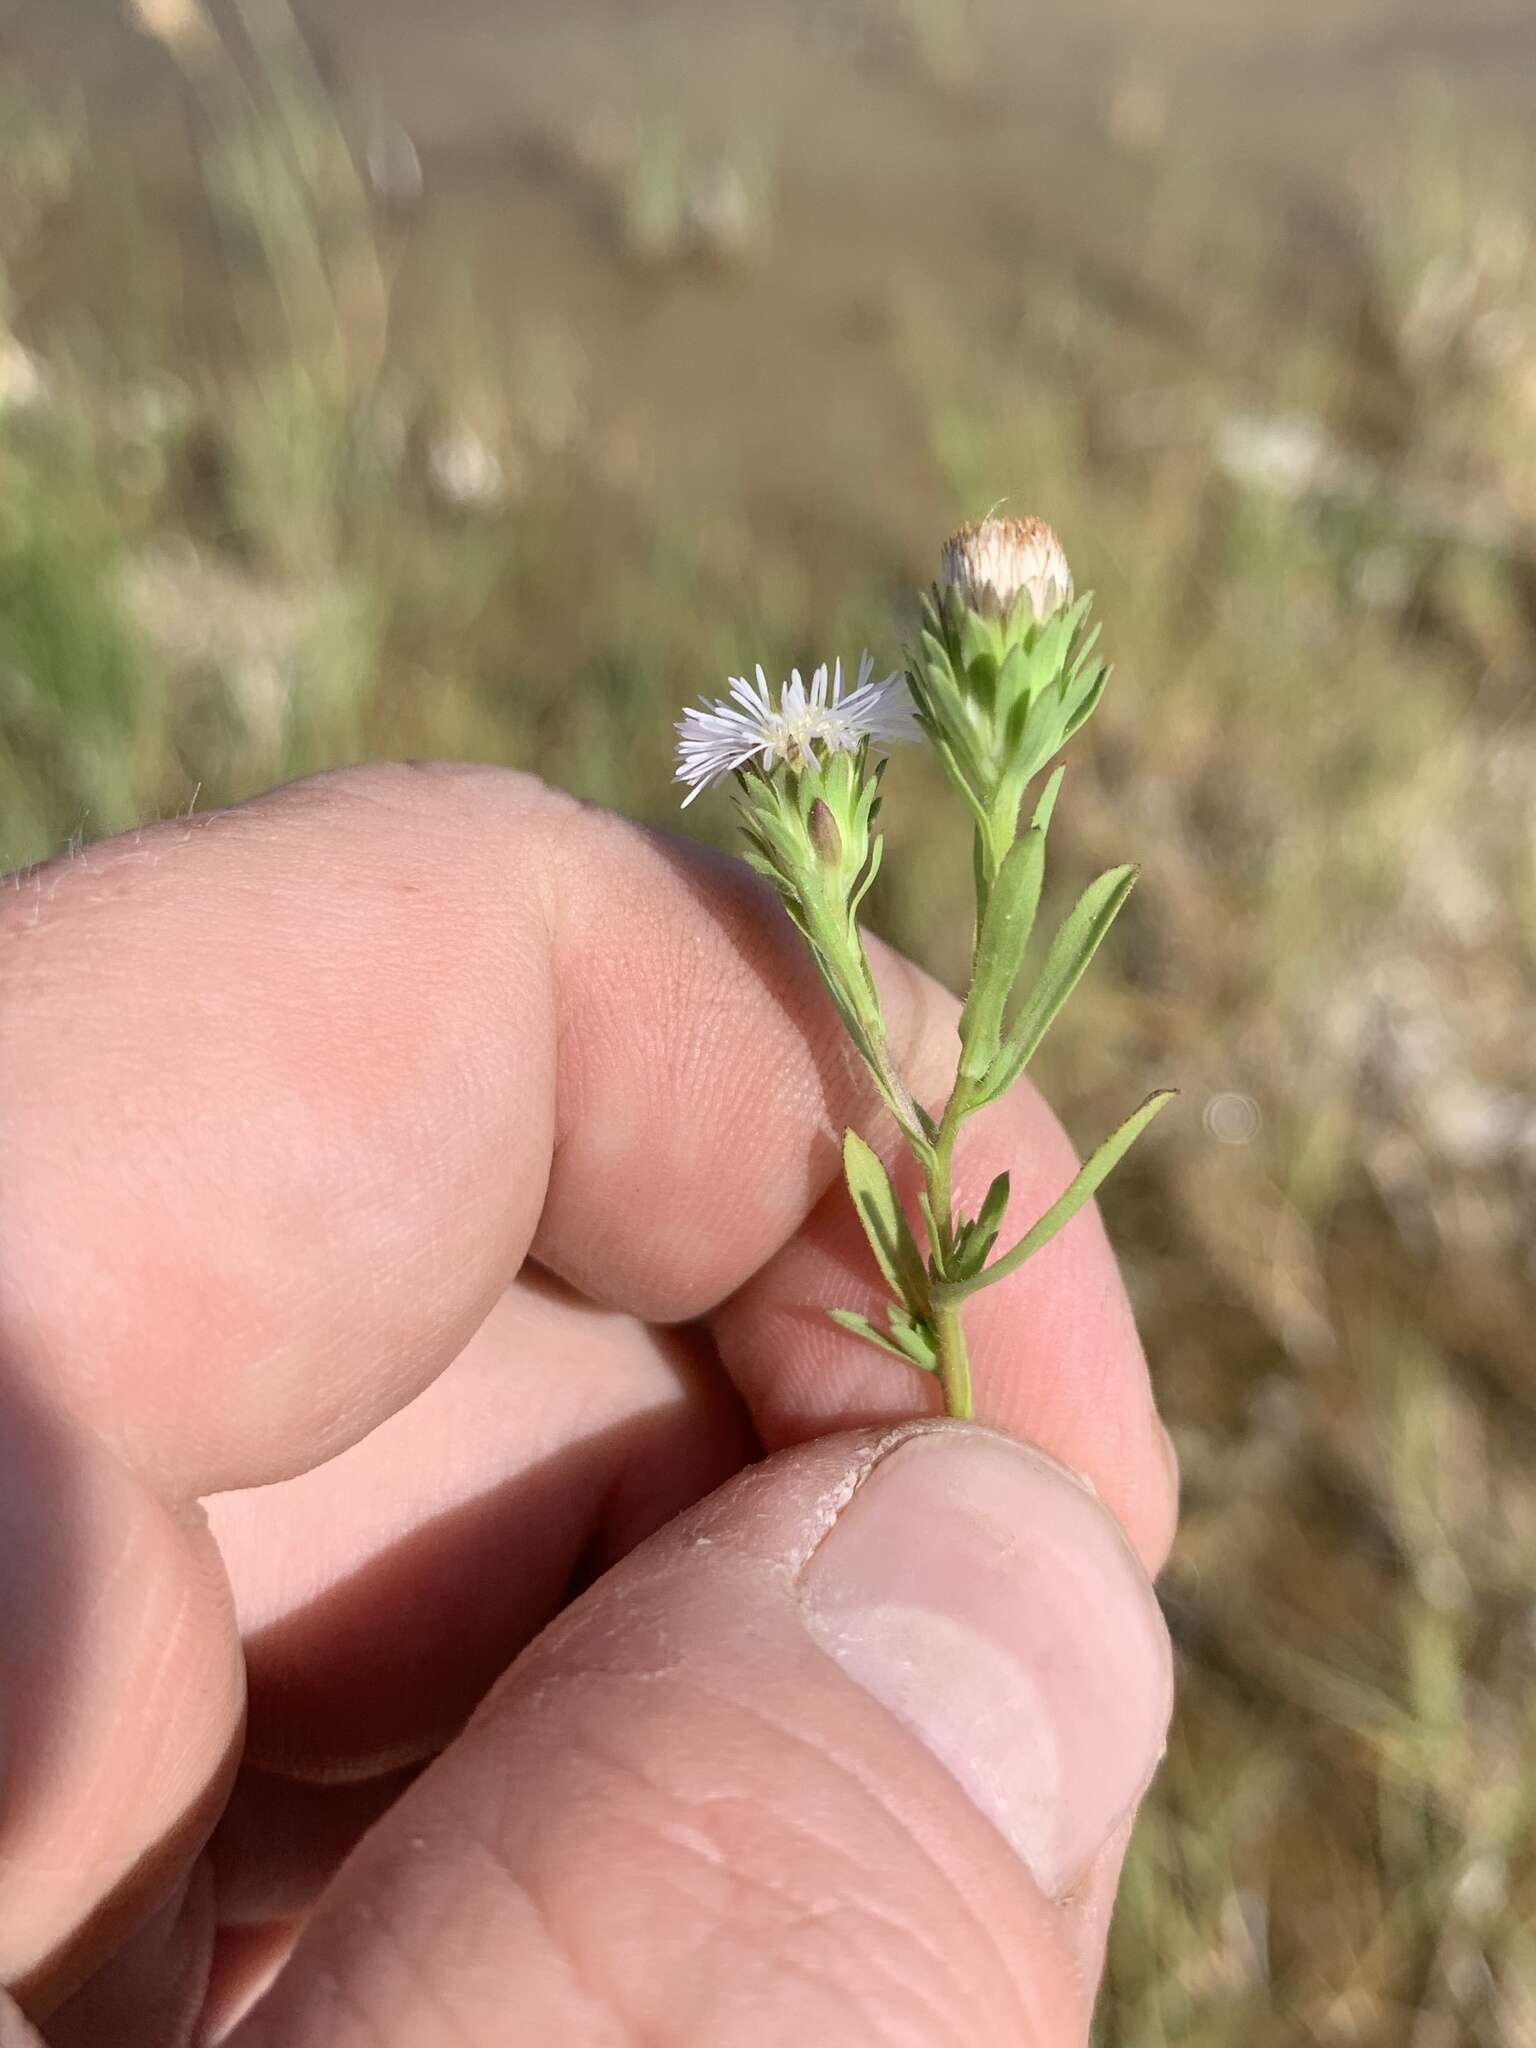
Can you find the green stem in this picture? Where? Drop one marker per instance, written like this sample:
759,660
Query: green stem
839,953
954,1362
941,1170
902,1105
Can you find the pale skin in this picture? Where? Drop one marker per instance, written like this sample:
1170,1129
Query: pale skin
289,1097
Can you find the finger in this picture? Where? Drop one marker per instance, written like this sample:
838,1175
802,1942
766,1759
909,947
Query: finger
15,2030
287,1093
122,1692
382,1594
402,1101
685,1012
279,1841
153,1991
379,1595
820,1762
251,1207
245,1962
281,1095
1054,1352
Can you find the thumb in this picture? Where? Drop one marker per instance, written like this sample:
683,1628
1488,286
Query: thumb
847,1754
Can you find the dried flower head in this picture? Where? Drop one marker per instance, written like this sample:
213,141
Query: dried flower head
716,739
991,561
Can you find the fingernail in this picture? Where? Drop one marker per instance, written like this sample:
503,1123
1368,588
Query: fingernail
988,1600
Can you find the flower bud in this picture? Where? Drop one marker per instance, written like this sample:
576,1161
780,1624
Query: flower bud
990,563
825,837
1005,671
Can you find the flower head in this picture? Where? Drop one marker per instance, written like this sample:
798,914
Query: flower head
808,723
989,563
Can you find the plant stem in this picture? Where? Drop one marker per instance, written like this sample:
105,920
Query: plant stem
846,971
949,1334
954,1362
900,1102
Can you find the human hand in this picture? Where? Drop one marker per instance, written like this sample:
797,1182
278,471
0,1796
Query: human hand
847,1752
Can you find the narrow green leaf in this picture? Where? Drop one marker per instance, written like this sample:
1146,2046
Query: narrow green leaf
885,1224
1089,1178
989,1217
937,652
866,875
1045,808
1005,929
1011,689
974,1240
1070,951
1054,640
915,1338
1088,694
861,1326
980,646
1082,650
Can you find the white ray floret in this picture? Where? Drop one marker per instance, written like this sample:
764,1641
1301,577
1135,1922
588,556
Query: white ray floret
716,739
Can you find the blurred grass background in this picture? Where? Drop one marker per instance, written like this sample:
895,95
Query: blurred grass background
489,382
